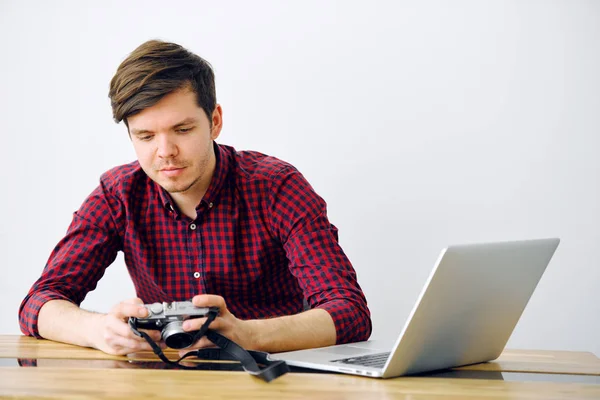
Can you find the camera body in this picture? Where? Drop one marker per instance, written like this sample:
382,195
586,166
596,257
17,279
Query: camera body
168,317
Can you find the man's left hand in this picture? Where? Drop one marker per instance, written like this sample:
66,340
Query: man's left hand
225,323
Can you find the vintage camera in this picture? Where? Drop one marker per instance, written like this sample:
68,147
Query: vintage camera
168,319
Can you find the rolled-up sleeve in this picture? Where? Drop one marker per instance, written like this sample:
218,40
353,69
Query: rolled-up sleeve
77,262
327,278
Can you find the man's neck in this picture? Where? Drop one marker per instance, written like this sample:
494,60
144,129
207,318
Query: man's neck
188,201
186,204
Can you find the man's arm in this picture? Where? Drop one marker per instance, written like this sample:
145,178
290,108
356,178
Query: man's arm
57,318
312,328
63,321
298,217
50,309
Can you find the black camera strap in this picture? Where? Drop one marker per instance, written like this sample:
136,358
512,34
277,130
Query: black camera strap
228,350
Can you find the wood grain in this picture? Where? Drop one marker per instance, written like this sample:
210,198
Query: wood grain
66,384
62,373
550,362
554,362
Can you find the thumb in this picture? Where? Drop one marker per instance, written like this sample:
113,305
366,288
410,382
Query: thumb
135,300
129,308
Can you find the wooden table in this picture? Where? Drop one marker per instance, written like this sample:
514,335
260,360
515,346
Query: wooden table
70,372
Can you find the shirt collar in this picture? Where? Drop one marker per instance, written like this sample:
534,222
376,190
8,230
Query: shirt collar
211,197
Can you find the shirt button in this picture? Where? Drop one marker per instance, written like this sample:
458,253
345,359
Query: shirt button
210,205
193,227
196,274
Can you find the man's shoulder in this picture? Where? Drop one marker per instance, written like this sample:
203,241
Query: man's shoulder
121,178
253,166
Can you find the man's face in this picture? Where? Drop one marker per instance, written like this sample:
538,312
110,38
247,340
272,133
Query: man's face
173,142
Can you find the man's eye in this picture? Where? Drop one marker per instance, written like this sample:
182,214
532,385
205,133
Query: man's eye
145,138
184,130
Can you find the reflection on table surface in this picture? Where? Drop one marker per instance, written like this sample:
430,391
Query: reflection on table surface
202,365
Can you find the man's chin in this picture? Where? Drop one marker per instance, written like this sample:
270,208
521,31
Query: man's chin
176,188
180,187
172,187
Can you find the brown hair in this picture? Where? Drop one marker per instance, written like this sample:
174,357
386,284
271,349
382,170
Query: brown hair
155,69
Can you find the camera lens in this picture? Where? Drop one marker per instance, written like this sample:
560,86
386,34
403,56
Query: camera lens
175,337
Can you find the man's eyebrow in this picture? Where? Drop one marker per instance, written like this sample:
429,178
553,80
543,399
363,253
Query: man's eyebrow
186,121
138,132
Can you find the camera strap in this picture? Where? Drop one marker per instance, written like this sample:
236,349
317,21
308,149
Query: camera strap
228,350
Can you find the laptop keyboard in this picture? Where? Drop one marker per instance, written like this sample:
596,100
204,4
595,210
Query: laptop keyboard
371,360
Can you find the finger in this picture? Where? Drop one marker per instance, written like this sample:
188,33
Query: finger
117,327
135,300
154,335
116,350
209,300
125,310
195,324
128,345
119,345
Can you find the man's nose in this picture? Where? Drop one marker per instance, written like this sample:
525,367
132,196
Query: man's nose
166,147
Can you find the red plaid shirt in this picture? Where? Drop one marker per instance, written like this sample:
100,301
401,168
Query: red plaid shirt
261,240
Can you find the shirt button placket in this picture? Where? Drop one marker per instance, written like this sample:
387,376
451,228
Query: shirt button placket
193,242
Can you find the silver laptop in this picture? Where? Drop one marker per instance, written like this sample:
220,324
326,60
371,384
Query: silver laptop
464,315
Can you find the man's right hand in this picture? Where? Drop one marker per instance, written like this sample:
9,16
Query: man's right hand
113,335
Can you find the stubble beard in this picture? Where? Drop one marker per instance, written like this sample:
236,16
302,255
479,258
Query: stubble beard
176,187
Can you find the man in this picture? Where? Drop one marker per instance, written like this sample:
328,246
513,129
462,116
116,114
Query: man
197,220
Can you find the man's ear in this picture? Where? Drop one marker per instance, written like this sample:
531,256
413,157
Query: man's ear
217,122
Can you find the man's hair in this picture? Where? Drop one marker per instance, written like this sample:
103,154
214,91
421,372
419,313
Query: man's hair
155,69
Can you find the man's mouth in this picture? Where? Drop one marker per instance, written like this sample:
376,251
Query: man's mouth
172,171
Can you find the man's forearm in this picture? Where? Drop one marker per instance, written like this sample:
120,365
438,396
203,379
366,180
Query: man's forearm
313,328
63,321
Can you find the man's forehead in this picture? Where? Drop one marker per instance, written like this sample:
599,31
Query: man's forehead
175,108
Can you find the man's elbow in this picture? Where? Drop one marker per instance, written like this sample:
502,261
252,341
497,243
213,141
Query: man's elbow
27,320
353,325
363,328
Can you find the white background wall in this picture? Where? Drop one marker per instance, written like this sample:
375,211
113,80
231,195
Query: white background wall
422,123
